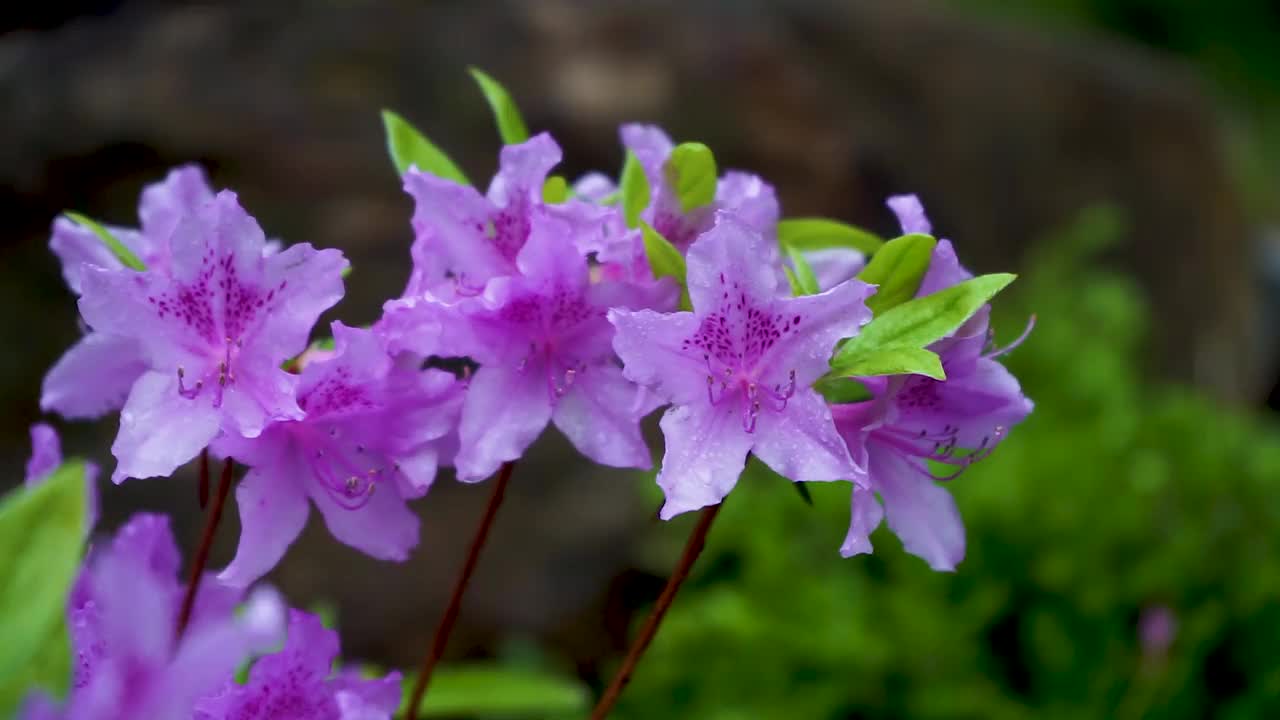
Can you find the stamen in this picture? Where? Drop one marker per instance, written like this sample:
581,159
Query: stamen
997,352
183,390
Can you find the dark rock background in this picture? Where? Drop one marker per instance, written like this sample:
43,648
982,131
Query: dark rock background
1006,134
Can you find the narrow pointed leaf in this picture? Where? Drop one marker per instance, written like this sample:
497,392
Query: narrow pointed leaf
805,283
511,127
555,190
916,324
822,234
117,248
891,361
897,270
634,187
691,172
665,260
408,147
41,541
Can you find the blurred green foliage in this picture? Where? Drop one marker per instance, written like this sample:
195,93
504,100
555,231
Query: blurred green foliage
1117,497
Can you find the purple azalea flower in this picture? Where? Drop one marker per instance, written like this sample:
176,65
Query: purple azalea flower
372,437
745,195
463,238
94,376
214,328
913,421
740,369
122,615
46,457
299,683
543,344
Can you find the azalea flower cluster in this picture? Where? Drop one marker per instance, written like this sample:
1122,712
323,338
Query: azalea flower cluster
587,307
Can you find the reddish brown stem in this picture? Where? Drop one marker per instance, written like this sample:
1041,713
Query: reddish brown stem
206,542
445,628
692,549
203,489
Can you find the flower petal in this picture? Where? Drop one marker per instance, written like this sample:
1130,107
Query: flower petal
801,443
383,527
920,512
159,429
273,511
92,378
751,199
504,412
706,452
449,224
522,169
730,249
944,270
832,266
651,347
865,516
910,214
46,453
184,190
601,413
820,322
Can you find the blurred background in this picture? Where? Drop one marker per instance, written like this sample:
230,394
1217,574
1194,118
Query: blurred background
1122,155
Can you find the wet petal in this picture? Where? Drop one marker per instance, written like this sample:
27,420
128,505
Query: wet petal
601,413
706,452
159,429
800,442
504,412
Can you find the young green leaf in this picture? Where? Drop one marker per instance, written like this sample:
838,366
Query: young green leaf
511,126
804,282
555,190
897,269
490,690
42,531
117,248
915,324
634,187
409,147
890,361
841,390
665,260
691,172
821,234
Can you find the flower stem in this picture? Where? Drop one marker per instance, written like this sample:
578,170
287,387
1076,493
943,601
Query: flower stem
206,542
445,628
692,549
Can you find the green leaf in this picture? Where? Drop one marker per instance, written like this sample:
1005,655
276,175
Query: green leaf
42,531
634,187
897,269
803,282
555,190
665,260
482,689
841,390
822,234
410,147
117,248
691,172
511,126
891,340
892,361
